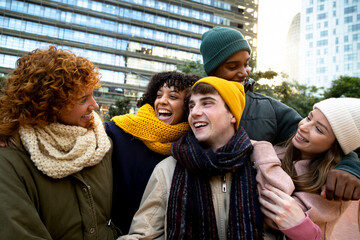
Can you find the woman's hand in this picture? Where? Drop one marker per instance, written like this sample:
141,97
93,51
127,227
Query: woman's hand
280,207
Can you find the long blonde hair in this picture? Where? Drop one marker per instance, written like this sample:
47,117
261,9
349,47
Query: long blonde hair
312,180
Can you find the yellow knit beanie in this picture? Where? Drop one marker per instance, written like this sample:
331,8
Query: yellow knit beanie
231,92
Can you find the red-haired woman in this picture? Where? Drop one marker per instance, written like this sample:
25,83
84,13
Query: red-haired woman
55,173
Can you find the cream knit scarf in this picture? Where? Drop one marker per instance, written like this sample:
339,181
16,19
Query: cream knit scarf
60,150
156,135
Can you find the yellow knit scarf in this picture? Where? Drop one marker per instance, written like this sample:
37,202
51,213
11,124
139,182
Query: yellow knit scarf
156,135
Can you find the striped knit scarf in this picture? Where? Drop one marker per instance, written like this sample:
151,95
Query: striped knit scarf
191,212
156,135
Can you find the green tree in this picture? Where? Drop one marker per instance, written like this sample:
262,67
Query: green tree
345,86
269,74
121,106
299,97
192,67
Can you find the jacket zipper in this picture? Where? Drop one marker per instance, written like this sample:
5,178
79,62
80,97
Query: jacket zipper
223,188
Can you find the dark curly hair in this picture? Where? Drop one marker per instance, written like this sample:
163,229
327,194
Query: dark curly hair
44,82
179,80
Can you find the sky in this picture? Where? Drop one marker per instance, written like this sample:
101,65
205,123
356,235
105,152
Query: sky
274,20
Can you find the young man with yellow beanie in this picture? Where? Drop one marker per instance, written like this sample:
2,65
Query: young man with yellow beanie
207,188
226,54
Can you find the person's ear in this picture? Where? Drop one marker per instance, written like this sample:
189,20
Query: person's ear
233,119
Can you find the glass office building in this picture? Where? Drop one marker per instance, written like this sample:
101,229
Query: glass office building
330,41
292,52
128,40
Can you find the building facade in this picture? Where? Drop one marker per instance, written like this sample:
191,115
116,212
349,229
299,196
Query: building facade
129,40
292,50
330,41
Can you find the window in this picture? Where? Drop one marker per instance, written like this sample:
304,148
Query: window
161,5
309,36
348,19
356,37
349,10
321,16
174,9
348,67
321,70
160,20
320,7
320,61
350,57
96,6
309,10
322,43
348,48
354,28
324,33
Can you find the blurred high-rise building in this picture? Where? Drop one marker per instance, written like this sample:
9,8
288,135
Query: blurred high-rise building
292,51
129,40
330,41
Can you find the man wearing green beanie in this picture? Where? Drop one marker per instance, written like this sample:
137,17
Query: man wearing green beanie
218,44
226,54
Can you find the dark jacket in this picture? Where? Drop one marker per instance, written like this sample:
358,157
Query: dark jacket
133,163
266,119
35,206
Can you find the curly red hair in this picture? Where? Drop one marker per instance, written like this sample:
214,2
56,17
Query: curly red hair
44,82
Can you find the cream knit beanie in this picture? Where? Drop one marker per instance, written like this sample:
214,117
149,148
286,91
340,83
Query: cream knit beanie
343,115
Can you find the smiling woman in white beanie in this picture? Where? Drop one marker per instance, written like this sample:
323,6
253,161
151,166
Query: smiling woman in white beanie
343,115
331,130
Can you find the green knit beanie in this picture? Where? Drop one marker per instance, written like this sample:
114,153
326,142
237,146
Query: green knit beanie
220,43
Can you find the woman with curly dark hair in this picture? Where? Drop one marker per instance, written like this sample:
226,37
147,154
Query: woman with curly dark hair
55,173
143,140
